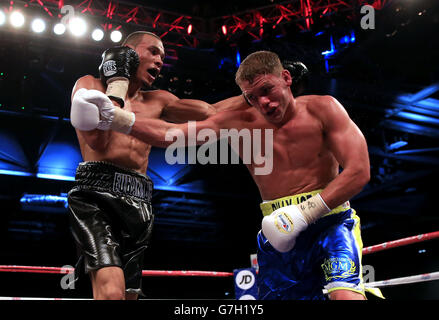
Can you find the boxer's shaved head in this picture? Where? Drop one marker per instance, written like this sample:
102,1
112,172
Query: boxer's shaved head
136,37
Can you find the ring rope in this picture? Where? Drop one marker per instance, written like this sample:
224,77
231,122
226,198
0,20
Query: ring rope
33,298
401,242
191,273
377,284
404,280
156,273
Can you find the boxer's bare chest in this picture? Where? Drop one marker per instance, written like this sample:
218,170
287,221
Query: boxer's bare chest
300,157
125,150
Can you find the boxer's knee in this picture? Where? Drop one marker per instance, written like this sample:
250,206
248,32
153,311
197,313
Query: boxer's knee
108,284
110,292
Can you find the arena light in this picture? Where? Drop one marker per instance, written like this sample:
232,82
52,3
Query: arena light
353,38
17,19
16,173
78,26
97,35
2,18
59,29
44,203
189,29
116,36
55,177
44,200
224,29
397,145
38,25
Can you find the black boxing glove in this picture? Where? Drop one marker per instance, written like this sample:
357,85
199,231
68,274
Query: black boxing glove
118,65
299,73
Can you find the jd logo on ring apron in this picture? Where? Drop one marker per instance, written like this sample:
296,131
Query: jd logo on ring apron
245,284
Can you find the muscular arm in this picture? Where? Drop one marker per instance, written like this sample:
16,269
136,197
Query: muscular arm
233,103
182,110
153,131
349,147
96,139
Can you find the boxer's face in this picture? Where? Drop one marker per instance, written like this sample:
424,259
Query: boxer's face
151,55
269,94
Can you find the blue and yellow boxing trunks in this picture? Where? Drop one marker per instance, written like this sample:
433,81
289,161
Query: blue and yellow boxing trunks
326,255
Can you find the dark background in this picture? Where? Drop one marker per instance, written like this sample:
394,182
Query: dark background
207,217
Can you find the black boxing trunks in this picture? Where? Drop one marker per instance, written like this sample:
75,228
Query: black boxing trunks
111,219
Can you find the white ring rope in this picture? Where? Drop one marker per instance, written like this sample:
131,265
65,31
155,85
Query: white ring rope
404,280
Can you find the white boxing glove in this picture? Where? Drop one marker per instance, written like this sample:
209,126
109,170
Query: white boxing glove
83,114
109,116
283,226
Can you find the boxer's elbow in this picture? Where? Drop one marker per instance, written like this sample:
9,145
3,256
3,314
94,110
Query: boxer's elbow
366,176
360,178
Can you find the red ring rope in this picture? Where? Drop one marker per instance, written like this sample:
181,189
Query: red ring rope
401,242
368,250
157,273
186,273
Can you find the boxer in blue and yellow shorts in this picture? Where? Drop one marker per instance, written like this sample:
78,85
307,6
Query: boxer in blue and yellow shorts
326,255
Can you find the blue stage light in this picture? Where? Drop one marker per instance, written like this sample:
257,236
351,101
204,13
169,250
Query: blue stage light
397,145
16,173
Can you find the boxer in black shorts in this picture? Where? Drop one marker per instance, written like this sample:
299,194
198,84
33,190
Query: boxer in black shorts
111,218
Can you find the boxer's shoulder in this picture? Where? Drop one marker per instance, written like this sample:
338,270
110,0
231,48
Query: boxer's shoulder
329,111
89,82
318,105
158,95
315,101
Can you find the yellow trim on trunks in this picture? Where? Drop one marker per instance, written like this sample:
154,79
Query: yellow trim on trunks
269,206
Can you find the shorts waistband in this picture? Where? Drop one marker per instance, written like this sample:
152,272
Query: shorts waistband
268,207
105,176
